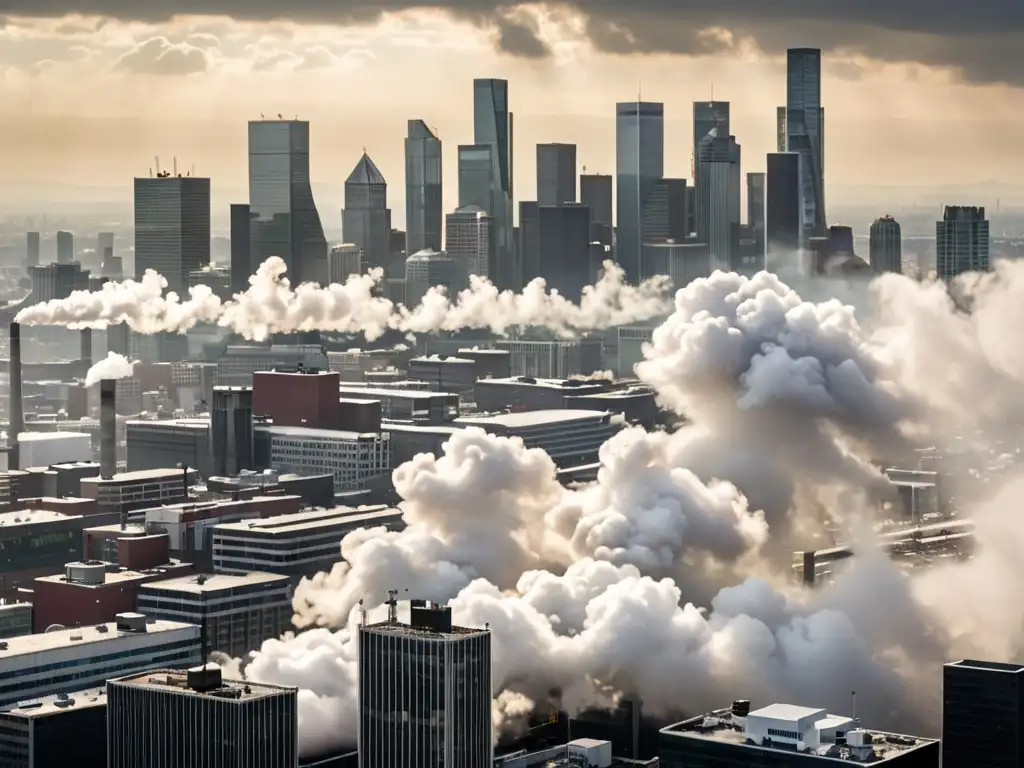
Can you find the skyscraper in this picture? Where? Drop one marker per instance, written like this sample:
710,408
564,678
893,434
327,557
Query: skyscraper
366,220
241,267
556,174
718,197
783,222
344,261
469,239
781,139
756,212
231,435
639,163
104,244
423,188
804,133
596,192
32,249
664,215
172,227
564,247
492,127
65,247
982,720
961,241
284,221
708,116
528,246
886,245
424,692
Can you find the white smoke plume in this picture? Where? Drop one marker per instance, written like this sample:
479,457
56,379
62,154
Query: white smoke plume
666,578
113,366
272,305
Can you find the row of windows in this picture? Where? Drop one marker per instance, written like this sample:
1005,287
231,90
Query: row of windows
795,735
93,660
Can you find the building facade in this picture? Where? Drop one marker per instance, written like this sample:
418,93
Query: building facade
982,714
682,262
961,241
423,188
886,245
37,734
756,199
564,240
231,431
596,192
172,228
556,174
639,163
717,207
366,220
708,116
57,281
553,359
427,269
352,458
284,219
424,692
344,261
492,127
241,247
470,237
805,134
32,249
665,215
65,247
783,213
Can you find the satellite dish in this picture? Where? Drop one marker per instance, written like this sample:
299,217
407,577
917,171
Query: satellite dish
56,628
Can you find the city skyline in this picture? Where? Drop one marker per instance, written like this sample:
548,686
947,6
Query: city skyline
568,98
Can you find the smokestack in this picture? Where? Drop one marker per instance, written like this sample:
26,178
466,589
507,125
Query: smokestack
86,352
810,562
15,404
108,430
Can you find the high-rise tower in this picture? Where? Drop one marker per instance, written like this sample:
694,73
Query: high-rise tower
783,221
805,133
886,245
639,164
708,116
423,188
556,174
717,208
285,221
172,228
492,128
961,241
366,220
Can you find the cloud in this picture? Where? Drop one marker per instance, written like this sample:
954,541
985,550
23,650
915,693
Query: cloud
159,56
984,45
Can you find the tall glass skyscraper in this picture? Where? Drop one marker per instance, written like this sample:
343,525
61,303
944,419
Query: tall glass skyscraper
718,197
961,241
556,174
172,228
708,116
284,220
492,127
423,191
639,163
366,220
805,133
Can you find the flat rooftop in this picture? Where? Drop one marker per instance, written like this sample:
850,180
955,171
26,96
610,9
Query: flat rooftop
140,476
53,705
132,529
298,522
326,434
532,418
119,576
218,582
988,666
568,385
722,726
190,423
45,437
442,359
24,645
176,681
32,516
406,630
379,392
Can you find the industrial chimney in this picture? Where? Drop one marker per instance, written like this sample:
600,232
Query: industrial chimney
86,350
16,407
108,429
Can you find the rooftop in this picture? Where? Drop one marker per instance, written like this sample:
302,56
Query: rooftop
139,476
321,518
327,434
216,582
20,517
117,576
401,628
532,381
365,172
348,386
52,705
532,418
25,645
178,681
988,666
45,437
198,424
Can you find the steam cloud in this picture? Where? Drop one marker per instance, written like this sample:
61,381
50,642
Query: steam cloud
669,576
272,305
113,366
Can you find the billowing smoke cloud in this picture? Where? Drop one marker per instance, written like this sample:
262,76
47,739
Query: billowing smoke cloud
667,577
272,305
113,366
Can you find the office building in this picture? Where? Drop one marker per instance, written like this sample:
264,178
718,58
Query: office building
231,431
718,198
805,134
354,459
35,543
470,240
344,261
445,374
556,174
783,215
961,241
15,619
982,702
423,188
104,248
492,127
596,192
366,220
123,492
564,240
155,444
32,249
886,245
300,398
682,262
784,735
41,449
296,545
553,359
284,220
235,368
57,281
427,269
197,719
639,163
218,280
172,228
708,116
424,691
781,139
241,247
65,247
409,405
39,665
528,245
43,733
236,612
664,215
756,203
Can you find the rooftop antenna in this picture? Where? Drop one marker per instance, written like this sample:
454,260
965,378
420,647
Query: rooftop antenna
712,91
853,716
362,614
279,116
262,117
392,605
157,159
175,166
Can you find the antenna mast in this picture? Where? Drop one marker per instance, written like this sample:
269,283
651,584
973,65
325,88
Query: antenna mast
392,604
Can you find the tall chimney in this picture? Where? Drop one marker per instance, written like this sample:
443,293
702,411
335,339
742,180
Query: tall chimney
86,350
108,429
16,407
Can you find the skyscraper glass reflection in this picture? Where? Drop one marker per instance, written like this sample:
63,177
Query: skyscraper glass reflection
491,127
423,191
285,221
639,163
805,134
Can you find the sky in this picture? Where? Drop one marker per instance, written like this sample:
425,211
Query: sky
92,90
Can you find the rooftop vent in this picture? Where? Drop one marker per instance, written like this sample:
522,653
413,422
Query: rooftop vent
76,636
63,700
3,645
205,678
102,628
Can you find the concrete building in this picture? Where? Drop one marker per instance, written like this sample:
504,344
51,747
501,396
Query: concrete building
41,732
470,239
407,440
57,281
961,241
126,491
294,545
15,619
664,213
409,405
553,359
85,657
528,240
237,613
239,362
784,218
445,374
32,249
564,242
639,164
172,228
785,735
981,714
427,269
682,262
886,246
437,672
232,444
65,247
35,543
366,219
631,341
354,459
241,247
596,193
41,449
571,438
197,719
155,444
423,188
527,393
297,399
556,174
344,261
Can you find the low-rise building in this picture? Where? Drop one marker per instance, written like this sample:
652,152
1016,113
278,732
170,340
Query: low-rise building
15,619
239,362
56,731
352,458
163,443
407,440
35,543
444,373
127,491
527,393
553,359
41,449
399,403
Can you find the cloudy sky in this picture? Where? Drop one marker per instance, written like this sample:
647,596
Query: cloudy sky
917,92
